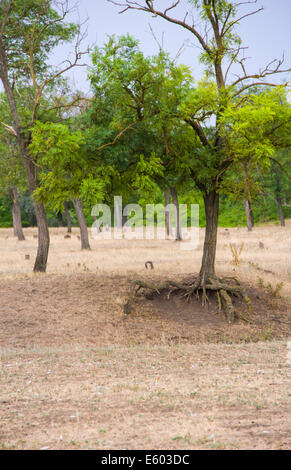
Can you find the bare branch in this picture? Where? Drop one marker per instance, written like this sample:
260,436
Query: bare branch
148,7
270,69
131,126
232,23
10,129
160,46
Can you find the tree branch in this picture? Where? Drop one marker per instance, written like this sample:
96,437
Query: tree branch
199,131
148,7
131,126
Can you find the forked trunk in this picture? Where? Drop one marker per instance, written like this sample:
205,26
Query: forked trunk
211,203
68,217
82,224
16,214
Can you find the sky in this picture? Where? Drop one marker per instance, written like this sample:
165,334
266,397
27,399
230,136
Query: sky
267,34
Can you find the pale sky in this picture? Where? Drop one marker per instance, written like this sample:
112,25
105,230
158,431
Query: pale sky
267,34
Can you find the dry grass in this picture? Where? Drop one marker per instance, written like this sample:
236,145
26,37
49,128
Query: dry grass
77,373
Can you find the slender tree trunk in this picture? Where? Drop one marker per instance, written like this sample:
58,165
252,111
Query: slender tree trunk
252,215
60,219
278,197
68,217
248,215
42,225
16,214
30,167
117,215
82,224
280,210
124,220
177,214
96,223
167,212
211,203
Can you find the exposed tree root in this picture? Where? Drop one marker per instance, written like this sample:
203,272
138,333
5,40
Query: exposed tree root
225,290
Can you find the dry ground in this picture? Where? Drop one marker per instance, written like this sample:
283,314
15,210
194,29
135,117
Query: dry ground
76,373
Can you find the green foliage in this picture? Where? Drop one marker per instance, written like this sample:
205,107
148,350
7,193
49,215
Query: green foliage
33,28
65,171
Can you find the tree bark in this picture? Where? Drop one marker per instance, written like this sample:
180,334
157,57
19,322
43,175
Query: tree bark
178,236
30,167
82,224
42,225
96,223
249,217
211,204
124,220
167,212
68,217
60,219
16,214
278,197
117,215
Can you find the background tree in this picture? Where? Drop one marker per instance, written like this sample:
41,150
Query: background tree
29,30
12,177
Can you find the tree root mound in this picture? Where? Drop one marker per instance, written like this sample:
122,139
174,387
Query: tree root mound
225,288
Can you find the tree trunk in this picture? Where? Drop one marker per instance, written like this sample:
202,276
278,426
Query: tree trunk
68,217
16,214
124,220
117,214
167,212
42,225
96,223
176,214
211,203
30,167
278,197
60,219
249,217
82,224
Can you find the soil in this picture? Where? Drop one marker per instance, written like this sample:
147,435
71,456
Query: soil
87,308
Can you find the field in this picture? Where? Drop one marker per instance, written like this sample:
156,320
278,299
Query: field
78,373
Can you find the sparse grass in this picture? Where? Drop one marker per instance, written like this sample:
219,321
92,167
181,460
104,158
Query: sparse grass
77,373
236,253
272,291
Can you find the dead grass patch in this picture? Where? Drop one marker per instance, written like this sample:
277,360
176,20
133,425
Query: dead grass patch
76,373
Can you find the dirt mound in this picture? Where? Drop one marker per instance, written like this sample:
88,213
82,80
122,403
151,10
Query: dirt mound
53,310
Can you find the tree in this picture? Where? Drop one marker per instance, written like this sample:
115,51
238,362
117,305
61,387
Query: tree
68,216
28,32
66,174
16,214
12,176
140,96
276,183
221,49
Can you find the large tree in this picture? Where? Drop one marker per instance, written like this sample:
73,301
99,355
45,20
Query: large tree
29,30
212,24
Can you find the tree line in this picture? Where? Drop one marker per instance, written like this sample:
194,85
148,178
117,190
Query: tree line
148,129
